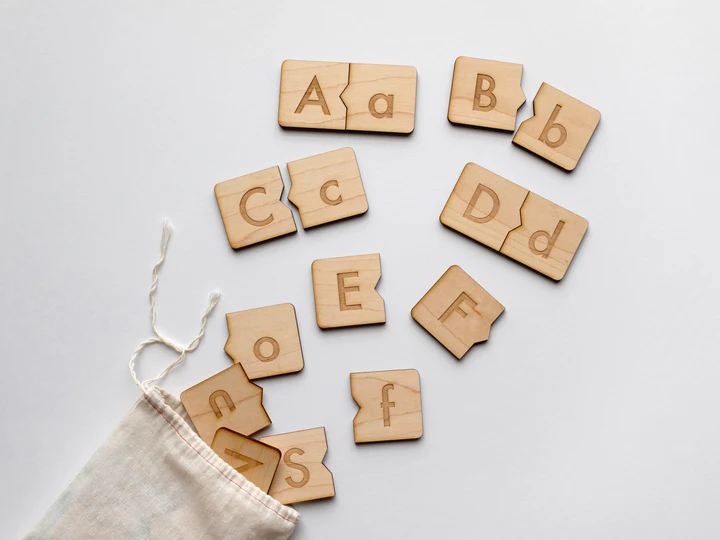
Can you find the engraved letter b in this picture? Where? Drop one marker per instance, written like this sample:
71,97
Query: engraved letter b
479,93
550,125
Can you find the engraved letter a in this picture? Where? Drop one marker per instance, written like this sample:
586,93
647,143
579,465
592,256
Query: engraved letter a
314,86
226,397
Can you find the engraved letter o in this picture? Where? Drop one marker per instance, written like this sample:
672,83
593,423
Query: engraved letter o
275,349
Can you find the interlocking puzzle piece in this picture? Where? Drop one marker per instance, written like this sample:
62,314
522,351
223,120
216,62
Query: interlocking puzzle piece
390,405
560,128
251,209
265,341
227,399
301,475
345,292
508,218
548,238
327,187
256,461
457,311
485,93
360,97
484,206
310,94
381,98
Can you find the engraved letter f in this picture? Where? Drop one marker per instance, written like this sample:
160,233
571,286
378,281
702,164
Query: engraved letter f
386,404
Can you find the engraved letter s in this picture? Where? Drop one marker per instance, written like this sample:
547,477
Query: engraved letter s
302,468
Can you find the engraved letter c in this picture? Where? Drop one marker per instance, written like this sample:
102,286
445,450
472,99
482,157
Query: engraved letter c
226,397
323,193
244,212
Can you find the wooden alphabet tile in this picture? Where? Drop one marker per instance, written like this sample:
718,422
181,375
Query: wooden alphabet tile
345,292
251,209
265,341
548,238
457,311
310,94
485,93
484,206
508,218
227,399
301,475
359,97
327,187
390,405
256,461
381,98
560,128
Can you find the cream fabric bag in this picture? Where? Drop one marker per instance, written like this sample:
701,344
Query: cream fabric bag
154,478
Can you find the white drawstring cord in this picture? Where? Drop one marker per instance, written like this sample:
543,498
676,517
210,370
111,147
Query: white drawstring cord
159,338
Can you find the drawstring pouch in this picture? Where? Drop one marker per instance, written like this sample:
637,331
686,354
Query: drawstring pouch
154,478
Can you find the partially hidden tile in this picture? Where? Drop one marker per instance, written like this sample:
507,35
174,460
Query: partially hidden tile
251,209
560,128
327,187
485,93
256,461
548,238
390,405
457,311
227,399
381,98
310,94
484,206
514,221
301,476
345,292
265,341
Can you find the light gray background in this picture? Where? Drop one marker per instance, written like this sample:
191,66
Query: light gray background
591,412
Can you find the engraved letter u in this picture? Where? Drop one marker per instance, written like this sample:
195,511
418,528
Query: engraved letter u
213,402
